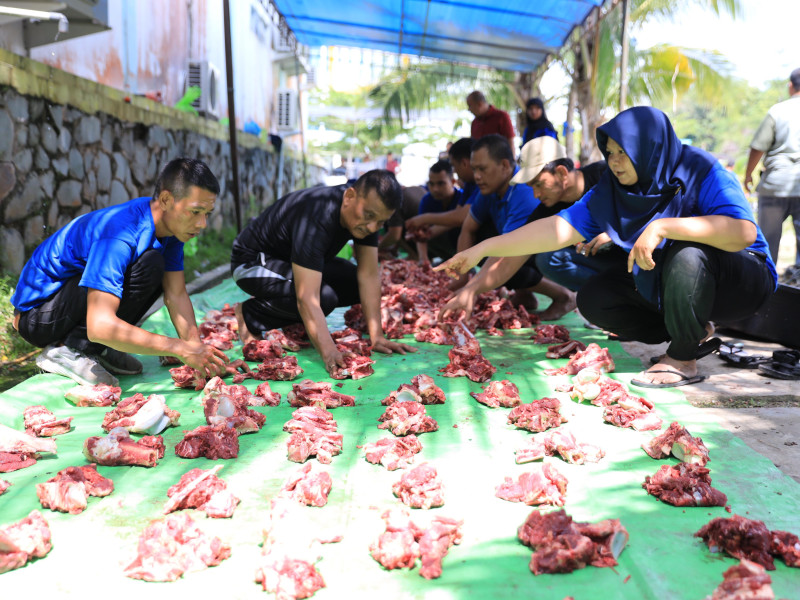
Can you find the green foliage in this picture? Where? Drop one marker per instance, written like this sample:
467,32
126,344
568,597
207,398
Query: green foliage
212,248
193,92
11,343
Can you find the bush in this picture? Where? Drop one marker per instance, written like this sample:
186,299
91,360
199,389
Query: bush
11,344
210,249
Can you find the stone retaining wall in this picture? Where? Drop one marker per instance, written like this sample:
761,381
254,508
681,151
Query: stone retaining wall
58,162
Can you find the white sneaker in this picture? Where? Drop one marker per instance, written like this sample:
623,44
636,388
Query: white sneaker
62,360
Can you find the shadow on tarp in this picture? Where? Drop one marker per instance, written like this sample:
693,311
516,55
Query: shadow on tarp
473,451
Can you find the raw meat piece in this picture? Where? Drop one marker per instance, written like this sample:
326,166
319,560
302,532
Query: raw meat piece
678,441
544,485
117,449
350,340
787,546
212,442
354,318
420,487
173,546
422,389
223,410
566,349
308,488
310,393
356,367
499,393
138,414
70,489
167,361
635,419
550,334
24,540
287,342
562,546
492,311
93,395
466,358
278,369
13,441
217,335
257,350
402,418
745,581
4,485
594,357
562,443
204,491
537,416
684,484
314,433
14,461
393,453
611,392
41,422
269,397
422,233
434,335
741,538
405,540
188,378
296,335
216,386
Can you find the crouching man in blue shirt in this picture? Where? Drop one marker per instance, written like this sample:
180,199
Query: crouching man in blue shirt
87,285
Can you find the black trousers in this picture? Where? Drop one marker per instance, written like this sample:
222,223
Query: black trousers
274,303
62,317
699,284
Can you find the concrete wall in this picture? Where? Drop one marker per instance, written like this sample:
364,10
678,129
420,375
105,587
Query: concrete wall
69,146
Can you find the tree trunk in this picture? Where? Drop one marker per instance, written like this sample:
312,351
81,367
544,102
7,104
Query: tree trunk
583,82
569,130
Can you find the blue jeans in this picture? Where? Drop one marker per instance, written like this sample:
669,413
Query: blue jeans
568,268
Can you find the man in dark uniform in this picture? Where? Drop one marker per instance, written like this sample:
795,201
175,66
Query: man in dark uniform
286,259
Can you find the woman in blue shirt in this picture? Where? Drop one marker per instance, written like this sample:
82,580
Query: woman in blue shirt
695,256
538,123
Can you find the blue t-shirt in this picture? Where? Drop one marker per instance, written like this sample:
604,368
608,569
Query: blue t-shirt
720,194
429,204
99,246
507,213
471,192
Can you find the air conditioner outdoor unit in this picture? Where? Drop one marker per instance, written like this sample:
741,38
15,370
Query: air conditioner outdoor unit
206,76
287,110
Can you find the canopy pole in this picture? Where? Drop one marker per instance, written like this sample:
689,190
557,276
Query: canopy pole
623,61
226,15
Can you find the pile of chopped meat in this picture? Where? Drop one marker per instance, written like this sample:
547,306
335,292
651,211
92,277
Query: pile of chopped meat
745,538
562,443
566,349
745,581
562,546
420,487
405,540
314,433
41,422
172,546
393,453
550,334
311,393
466,358
188,378
350,340
402,418
23,541
258,350
262,396
684,484
211,441
499,393
292,338
292,546
93,395
434,335
265,396
422,389
634,412
307,487
70,489
138,414
592,385
117,449
594,357
219,328
356,367
538,415
494,312
680,443
222,409
278,369
19,450
203,490
544,485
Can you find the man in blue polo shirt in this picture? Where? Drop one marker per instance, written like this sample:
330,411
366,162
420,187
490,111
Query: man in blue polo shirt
507,205
87,285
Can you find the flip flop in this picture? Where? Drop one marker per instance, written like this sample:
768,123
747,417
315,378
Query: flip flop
684,380
779,370
704,349
743,360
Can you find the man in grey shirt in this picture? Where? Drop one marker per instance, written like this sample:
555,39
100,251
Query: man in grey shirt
778,141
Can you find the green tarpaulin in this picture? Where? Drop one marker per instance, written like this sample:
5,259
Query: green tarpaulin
473,451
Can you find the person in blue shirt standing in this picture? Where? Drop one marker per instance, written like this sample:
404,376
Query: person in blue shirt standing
538,123
695,253
86,286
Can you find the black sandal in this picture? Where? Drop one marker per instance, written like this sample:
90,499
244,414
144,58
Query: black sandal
736,357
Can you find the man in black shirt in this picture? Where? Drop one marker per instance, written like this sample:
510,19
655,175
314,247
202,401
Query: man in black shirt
286,259
557,184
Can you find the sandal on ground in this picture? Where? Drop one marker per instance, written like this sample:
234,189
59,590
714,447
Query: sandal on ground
779,370
703,349
684,379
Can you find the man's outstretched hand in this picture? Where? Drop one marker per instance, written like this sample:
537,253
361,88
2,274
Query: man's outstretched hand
388,347
461,263
205,358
